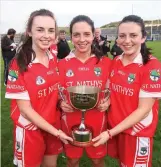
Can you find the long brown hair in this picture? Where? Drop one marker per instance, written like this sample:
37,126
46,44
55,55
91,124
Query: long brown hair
25,52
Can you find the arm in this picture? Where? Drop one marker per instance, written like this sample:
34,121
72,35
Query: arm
5,45
144,108
29,113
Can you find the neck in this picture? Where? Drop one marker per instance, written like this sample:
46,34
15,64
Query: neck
128,59
83,56
40,54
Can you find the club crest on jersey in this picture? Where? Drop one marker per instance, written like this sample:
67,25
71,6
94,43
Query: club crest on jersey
97,71
155,75
13,75
131,78
143,150
39,80
17,145
69,73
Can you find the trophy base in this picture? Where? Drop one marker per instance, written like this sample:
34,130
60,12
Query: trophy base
82,144
81,138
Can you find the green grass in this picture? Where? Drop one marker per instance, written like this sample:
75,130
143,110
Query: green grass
6,129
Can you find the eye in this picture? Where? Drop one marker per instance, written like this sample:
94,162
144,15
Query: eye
87,34
40,30
51,30
133,35
121,36
75,35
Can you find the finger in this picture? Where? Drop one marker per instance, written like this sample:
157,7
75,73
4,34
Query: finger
64,141
98,143
96,138
69,138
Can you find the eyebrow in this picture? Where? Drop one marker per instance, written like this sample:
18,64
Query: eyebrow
43,28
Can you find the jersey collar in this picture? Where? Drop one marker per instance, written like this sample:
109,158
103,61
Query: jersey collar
72,55
50,56
138,59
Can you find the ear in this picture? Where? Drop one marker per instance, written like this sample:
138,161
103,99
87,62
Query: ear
143,39
29,33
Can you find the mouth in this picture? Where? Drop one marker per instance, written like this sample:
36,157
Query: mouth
82,46
128,47
45,42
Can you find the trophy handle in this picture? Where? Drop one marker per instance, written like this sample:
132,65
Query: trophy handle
106,93
61,89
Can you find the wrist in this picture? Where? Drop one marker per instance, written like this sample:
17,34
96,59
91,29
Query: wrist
109,133
58,133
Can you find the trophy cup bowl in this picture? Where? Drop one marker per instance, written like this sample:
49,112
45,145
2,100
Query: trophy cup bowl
83,98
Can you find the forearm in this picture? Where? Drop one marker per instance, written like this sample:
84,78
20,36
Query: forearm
39,121
130,121
6,48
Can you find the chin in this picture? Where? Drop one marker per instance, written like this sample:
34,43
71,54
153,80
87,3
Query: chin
128,52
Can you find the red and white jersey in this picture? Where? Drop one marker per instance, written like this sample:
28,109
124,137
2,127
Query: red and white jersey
128,84
90,73
39,85
54,49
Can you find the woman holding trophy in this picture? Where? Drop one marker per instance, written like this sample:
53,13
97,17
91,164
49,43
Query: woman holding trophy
135,84
86,67
33,87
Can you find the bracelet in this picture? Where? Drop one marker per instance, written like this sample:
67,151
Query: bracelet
58,134
109,133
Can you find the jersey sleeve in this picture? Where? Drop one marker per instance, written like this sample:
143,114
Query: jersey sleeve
151,80
16,87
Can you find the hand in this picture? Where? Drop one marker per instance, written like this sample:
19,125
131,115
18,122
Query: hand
101,43
104,104
63,137
101,139
65,106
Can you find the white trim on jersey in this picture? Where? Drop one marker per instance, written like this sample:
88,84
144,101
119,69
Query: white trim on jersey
138,59
144,123
26,123
142,93
19,147
21,95
142,154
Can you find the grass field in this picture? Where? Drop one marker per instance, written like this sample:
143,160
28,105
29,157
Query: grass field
6,129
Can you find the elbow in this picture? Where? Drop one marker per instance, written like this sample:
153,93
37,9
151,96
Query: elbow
23,112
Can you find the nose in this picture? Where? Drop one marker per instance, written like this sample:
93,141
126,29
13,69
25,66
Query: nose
46,34
82,38
127,39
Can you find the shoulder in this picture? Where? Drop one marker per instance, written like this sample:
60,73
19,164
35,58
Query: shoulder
152,63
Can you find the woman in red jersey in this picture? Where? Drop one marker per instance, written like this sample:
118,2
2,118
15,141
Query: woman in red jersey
84,66
33,87
135,84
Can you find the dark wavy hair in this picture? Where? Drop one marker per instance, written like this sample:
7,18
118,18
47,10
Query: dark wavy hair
83,18
25,51
145,52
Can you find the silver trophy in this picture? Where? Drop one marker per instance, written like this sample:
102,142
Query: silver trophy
84,98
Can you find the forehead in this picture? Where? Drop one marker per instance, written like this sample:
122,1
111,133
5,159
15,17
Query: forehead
97,30
81,27
129,27
43,21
